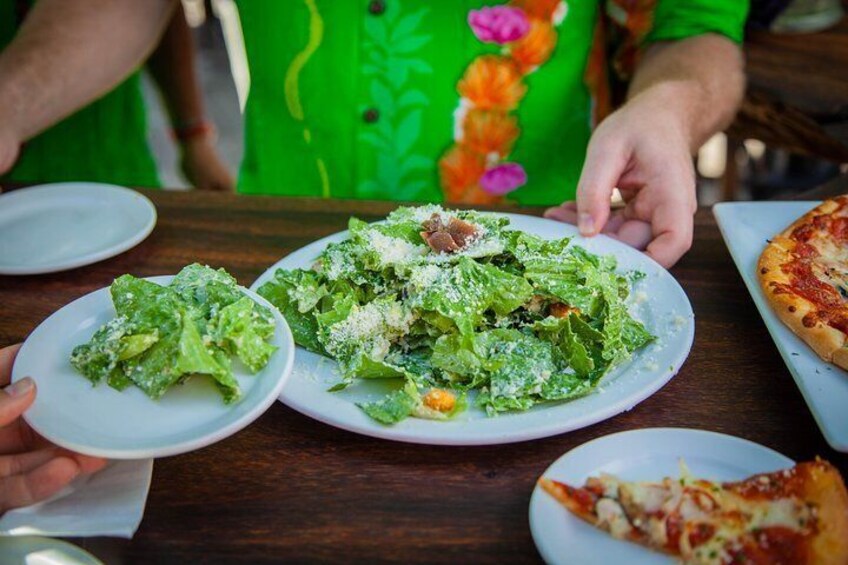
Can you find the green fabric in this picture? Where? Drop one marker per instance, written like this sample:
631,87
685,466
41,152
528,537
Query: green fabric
312,140
677,19
104,142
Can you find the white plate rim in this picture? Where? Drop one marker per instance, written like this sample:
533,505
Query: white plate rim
88,258
536,528
190,444
394,433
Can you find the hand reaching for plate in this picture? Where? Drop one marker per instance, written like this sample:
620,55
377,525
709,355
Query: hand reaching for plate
642,150
31,468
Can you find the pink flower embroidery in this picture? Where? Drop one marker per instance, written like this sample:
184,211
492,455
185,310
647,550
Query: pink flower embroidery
503,179
499,24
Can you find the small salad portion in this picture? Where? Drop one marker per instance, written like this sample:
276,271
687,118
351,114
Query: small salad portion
452,302
162,335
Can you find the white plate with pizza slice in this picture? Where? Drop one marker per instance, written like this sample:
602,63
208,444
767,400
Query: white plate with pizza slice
746,227
637,455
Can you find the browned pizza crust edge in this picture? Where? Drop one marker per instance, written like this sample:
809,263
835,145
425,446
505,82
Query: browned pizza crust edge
823,485
826,341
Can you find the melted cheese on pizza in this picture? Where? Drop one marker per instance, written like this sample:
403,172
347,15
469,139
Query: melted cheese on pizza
698,520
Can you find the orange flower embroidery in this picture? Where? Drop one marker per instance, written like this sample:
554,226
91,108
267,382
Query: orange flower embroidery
475,170
460,169
539,9
536,47
486,132
492,82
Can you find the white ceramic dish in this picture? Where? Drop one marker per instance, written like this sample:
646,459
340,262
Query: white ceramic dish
55,227
37,550
664,308
637,455
127,424
746,226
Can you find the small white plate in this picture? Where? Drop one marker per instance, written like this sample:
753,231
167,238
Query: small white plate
37,550
55,227
746,226
664,309
638,455
99,420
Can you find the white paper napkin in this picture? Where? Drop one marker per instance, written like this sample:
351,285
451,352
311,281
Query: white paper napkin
108,503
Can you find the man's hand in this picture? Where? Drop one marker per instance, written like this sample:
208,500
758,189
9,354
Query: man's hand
31,469
683,92
642,150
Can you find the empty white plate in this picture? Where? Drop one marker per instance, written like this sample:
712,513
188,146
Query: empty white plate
657,300
99,420
637,455
55,227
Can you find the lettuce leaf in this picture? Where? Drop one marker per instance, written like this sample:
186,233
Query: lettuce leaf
163,335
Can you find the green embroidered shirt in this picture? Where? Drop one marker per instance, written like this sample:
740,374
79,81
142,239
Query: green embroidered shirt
358,98
104,142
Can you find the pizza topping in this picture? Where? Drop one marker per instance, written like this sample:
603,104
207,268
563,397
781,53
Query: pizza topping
611,516
762,519
817,267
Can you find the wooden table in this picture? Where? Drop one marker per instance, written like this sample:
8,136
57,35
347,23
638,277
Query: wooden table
289,488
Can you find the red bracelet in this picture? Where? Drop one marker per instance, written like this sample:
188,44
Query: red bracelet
187,132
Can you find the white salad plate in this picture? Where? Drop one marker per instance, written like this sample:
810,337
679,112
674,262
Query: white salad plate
746,226
657,300
639,455
101,421
55,227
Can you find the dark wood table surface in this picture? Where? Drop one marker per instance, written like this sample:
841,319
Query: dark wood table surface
288,488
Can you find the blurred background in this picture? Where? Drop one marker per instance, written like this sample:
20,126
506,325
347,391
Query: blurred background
791,134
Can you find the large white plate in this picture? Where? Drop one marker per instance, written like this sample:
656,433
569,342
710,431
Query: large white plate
746,226
659,302
54,227
127,424
638,455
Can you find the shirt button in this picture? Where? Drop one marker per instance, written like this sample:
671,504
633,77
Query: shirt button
371,115
376,7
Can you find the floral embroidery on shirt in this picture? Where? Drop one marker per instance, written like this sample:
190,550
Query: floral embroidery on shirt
475,168
392,40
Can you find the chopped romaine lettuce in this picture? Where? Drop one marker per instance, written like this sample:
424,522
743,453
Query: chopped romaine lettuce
163,335
518,319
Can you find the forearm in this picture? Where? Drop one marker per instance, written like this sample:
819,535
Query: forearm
69,52
172,66
700,79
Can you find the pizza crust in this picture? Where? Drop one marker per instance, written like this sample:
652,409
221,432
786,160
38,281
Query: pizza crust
817,483
823,486
829,343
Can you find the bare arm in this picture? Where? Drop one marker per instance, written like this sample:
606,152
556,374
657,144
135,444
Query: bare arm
172,66
701,79
683,92
69,52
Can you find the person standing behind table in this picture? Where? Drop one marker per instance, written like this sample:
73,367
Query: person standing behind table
107,140
455,101
485,102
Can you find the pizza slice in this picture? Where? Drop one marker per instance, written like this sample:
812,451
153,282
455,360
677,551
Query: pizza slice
804,274
795,516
